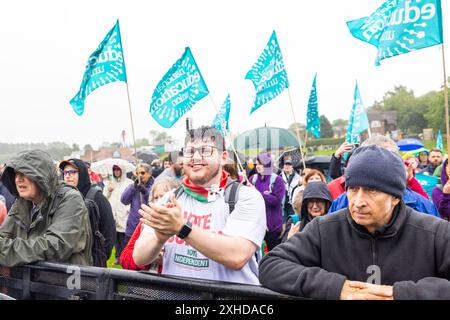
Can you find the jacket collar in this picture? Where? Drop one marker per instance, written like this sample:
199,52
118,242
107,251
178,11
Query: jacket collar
391,229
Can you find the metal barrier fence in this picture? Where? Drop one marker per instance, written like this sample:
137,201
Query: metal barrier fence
53,281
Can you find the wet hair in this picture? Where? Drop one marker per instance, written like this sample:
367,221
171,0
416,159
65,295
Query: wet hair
231,168
166,184
435,150
206,133
382,142
311,173
146,167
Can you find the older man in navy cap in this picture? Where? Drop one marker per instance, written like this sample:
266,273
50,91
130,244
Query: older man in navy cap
376,248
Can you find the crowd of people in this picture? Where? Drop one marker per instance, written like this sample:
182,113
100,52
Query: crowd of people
367,230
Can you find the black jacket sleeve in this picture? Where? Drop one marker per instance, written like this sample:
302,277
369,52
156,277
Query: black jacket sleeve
335,167
107,224
294,268
431,288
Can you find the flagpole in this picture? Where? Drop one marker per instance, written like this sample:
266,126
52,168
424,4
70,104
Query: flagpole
296,129
241,167
446,99
134,139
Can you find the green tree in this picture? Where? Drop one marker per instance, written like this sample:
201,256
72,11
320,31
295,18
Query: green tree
142,143
298,126
88,148
326,130
75,147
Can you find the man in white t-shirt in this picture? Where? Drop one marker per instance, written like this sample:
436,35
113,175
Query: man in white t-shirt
200,237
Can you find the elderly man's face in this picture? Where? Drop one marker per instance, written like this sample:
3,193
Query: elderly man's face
435,158
27,188
370,208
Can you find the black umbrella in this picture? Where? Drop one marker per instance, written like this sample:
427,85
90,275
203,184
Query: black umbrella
147,155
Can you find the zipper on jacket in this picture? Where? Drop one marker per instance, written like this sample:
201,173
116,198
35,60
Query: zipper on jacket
374,254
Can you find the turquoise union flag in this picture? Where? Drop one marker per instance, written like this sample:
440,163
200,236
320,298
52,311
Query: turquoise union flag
268,74
221,120
180,88
358,121
439,144
400,26
312,115
104,66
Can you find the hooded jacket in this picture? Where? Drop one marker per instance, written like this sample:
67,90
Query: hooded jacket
60,230
313,190
411,253
120,211
441,199
106,224
132,196
273,200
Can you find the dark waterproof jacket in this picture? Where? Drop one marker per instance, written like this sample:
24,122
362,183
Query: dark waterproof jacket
441,199
313,190
59,232
412,253
107,225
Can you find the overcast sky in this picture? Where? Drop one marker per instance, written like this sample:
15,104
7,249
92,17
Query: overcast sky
45,46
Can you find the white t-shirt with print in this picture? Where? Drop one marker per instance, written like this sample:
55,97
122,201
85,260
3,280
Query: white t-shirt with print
248,221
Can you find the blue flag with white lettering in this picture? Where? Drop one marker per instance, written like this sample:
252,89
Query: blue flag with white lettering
439,144
221,120
400,26
104,66
358,121
268,74
180,88
312,116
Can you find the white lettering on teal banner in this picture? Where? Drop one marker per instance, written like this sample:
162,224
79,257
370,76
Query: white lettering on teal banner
400,26
104,66
180,88
268,74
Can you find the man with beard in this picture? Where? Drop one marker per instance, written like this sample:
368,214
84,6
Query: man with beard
200,236
174,169
435,160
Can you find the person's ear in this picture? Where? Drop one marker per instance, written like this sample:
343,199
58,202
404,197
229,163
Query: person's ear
395,201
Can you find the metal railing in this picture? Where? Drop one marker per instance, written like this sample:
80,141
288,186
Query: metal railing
54,281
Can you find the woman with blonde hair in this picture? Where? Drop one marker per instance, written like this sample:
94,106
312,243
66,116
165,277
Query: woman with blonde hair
160,187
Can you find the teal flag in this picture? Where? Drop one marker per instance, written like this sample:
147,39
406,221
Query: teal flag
221,120
439,144
358,121
268,74
104,66
180,88
312,116
400,26
427,182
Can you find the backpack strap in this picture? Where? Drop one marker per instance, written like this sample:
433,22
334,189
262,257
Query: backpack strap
254,178
273,177
231,194
91,193
178,192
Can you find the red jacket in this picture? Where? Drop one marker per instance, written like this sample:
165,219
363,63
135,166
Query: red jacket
126,257
337,187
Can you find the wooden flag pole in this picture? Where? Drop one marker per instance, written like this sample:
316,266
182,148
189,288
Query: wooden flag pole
241,167
134,141
296,130
446,100
132,125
